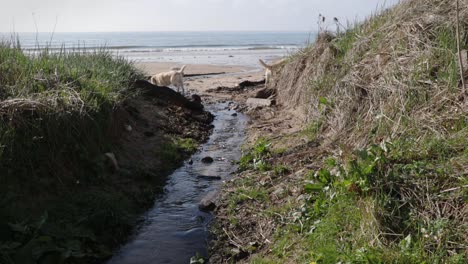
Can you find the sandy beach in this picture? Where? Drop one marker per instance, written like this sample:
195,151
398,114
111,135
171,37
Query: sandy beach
225,75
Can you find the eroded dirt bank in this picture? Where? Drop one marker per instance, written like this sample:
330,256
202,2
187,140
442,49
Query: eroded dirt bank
363,157
97,199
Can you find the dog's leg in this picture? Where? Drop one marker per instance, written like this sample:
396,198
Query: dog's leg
267,77
178,82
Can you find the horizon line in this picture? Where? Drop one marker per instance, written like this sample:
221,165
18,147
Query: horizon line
169,31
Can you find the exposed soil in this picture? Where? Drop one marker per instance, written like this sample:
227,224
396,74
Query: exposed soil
147,131
150,134
150,121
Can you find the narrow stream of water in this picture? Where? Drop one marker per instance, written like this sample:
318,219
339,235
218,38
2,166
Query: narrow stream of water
175,229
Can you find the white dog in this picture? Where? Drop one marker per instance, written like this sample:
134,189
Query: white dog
269,70
173,77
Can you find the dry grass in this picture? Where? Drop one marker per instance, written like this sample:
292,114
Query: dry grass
394,78
381,69
56,113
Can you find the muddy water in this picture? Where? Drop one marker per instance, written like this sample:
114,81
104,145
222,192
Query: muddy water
175,229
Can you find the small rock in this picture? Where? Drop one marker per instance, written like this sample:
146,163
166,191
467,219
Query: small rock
207,160
231,56
208,204
235,114
196,98
190,162
128,128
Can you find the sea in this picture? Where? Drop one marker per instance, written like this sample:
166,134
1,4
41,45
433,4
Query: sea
221,48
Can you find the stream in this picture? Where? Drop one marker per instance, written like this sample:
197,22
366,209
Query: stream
174,230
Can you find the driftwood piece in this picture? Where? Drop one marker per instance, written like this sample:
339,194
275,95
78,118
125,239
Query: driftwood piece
204,74
257,102
240,87
251,83
195,74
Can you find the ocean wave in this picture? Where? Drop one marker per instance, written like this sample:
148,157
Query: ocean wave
207,49
170,49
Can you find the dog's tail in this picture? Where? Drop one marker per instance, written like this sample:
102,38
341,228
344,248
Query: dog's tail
182,69
280,62
264,64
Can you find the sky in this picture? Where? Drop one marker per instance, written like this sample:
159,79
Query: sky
178,15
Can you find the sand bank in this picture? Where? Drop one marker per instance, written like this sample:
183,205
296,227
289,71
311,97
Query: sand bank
231,76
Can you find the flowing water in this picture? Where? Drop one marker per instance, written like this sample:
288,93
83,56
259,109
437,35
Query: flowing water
175,229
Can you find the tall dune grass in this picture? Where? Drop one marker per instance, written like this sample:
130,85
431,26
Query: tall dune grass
56,113
70,90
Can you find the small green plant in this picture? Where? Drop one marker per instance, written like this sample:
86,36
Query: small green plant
188,145
280,170
256,157
313,130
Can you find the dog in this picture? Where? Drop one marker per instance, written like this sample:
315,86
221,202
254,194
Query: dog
269,70
170,78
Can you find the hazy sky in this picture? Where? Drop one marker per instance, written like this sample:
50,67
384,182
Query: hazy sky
177,15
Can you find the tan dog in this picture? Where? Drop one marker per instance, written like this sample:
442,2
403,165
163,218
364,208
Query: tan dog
170,78
269,70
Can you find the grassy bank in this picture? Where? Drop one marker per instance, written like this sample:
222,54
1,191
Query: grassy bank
61,199
382,177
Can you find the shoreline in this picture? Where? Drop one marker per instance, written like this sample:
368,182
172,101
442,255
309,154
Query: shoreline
152,68
228,75
240,58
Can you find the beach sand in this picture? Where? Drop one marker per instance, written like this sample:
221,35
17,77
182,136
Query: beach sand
228,75
152,68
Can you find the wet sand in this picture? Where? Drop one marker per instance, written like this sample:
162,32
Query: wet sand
155,67
231,75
